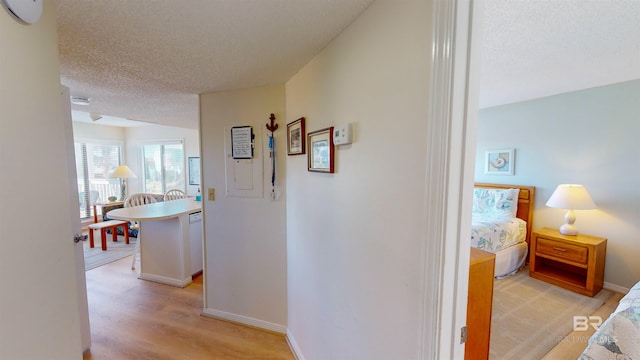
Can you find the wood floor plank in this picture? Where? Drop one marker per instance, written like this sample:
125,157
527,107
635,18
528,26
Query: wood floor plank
137,319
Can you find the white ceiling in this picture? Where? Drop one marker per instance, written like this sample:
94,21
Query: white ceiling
537,48
147,61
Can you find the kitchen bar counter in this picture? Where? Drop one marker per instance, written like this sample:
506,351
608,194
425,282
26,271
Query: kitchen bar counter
165,252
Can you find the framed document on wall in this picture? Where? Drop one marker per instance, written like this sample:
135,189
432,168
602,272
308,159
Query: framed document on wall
194,171
242,142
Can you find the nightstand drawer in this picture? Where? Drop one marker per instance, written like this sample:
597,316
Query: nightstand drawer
563,250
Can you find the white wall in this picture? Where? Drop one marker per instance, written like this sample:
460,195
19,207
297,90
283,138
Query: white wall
245,238
135,137
355,248
98,132
588,137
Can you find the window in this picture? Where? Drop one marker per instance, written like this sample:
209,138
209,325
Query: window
164,167
94,162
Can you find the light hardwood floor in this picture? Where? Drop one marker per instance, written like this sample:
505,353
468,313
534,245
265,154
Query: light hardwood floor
137,319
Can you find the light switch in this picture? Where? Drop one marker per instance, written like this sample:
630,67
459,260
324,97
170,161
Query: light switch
212,194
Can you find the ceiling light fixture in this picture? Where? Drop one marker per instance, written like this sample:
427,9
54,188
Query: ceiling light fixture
95,116
80,100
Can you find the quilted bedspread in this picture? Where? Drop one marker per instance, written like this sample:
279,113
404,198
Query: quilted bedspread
494,231
618,337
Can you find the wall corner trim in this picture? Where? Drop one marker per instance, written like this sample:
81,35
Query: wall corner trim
293,345
449,174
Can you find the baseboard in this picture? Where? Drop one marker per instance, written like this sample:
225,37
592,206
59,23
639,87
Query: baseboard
165,280
245,320
616,288
293,345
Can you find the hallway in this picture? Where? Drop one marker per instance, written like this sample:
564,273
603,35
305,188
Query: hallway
137,319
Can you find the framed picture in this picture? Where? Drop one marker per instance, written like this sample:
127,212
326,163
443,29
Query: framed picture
194,171
295,137
320,150
500,162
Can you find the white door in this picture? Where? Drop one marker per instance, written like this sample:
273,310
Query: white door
72,175
39,316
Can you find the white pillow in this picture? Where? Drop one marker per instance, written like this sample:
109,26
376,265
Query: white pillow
496,200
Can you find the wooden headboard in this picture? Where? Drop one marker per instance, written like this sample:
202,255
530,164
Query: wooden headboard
525,201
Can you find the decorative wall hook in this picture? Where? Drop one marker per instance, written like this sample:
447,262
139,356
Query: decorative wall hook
273,126
272,146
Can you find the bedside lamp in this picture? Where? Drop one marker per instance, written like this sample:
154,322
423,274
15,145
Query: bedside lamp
123,172
570,197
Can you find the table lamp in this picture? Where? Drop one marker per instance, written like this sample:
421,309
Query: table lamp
123,172
570,197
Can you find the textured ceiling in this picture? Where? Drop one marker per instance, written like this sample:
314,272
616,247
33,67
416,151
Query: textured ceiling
536,48
147,61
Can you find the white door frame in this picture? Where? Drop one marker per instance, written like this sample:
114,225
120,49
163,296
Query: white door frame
450,173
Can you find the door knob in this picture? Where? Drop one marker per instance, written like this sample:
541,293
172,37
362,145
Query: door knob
79,237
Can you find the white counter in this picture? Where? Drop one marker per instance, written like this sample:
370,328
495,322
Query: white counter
157,211
165,253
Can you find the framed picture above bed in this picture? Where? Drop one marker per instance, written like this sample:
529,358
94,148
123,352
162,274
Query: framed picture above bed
500,162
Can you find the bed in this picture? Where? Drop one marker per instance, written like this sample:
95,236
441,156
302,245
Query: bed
501,224
618,337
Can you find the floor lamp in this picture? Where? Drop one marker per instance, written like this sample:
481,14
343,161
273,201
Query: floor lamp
123,172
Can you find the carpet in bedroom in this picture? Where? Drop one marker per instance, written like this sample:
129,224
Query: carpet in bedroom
115,251
530,316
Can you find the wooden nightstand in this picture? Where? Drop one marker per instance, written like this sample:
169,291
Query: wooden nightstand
575,262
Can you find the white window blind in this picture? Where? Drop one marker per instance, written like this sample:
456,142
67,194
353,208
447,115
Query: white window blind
164,167
94,162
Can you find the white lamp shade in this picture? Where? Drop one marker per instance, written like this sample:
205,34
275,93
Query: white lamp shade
571,197
123,172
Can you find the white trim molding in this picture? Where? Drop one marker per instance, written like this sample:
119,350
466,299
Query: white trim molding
293,345
449,178
616,288
245,320
165,280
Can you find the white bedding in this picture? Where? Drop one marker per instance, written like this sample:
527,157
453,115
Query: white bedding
510,260
496,229
492,231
